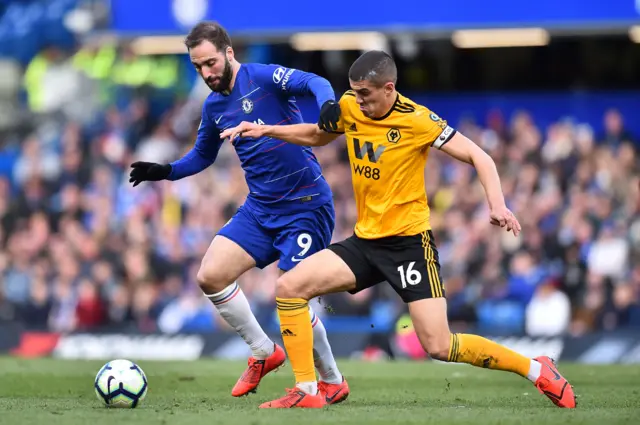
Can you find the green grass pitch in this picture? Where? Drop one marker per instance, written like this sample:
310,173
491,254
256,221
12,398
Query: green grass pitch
51,392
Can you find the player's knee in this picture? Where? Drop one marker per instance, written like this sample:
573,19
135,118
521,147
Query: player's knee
286,287
211,281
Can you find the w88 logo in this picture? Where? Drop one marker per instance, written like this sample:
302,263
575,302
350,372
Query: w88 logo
367,171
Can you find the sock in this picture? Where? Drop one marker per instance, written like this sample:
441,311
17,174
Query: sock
481,352
535,369
308,387
322,354
297,336
235,310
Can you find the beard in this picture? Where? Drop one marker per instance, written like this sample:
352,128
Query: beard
224,82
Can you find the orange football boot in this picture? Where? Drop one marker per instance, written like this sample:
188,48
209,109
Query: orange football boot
334,393
257,369
296,398
554,385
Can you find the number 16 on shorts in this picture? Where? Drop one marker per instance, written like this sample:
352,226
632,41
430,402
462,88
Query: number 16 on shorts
421,277
409,275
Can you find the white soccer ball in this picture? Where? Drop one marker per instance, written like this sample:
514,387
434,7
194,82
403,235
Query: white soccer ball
121,383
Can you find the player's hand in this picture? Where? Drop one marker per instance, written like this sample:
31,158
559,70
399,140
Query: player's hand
244,129
329,116
148,171
503,217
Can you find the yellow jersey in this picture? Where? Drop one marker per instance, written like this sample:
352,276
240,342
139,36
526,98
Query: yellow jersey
387,157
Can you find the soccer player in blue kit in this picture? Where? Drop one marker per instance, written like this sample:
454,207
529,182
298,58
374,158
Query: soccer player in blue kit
288,214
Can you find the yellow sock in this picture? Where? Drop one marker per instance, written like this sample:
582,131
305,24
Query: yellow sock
481,352
297,335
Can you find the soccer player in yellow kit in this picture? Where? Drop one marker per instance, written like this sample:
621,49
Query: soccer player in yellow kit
388,139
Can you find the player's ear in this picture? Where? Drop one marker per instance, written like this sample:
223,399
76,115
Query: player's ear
230,54
389,88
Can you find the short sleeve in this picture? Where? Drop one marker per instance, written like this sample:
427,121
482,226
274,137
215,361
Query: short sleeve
431,130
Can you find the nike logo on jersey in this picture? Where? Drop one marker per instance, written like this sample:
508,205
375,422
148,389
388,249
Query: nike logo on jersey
296,260
218,119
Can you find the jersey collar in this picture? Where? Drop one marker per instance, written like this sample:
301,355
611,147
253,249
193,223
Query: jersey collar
390,110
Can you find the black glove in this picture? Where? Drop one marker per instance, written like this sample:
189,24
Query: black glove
148,171
329,116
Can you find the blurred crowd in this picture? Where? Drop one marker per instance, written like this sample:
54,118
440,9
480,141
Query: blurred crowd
576,265
80,249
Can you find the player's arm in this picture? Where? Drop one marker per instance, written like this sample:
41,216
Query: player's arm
463,149
203,153
300,134
437,133
297,134
293,82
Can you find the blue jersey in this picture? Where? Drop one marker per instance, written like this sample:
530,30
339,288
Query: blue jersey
283,178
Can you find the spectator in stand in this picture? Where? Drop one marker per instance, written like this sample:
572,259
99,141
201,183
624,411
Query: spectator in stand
79,249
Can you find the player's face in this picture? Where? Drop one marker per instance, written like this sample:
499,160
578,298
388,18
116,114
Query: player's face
374,101
213,66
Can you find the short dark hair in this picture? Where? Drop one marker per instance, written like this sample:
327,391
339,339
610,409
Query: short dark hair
212,32
375,66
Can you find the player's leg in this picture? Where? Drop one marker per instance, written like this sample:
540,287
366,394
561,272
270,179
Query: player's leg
239,246
420,285
429,317
332,383
341,267
304,235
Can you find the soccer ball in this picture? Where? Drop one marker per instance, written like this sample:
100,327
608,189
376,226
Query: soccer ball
121,383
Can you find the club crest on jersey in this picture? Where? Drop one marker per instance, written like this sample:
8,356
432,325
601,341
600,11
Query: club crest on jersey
393,135
247,106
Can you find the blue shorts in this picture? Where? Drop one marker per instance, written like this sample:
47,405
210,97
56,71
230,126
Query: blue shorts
290,238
